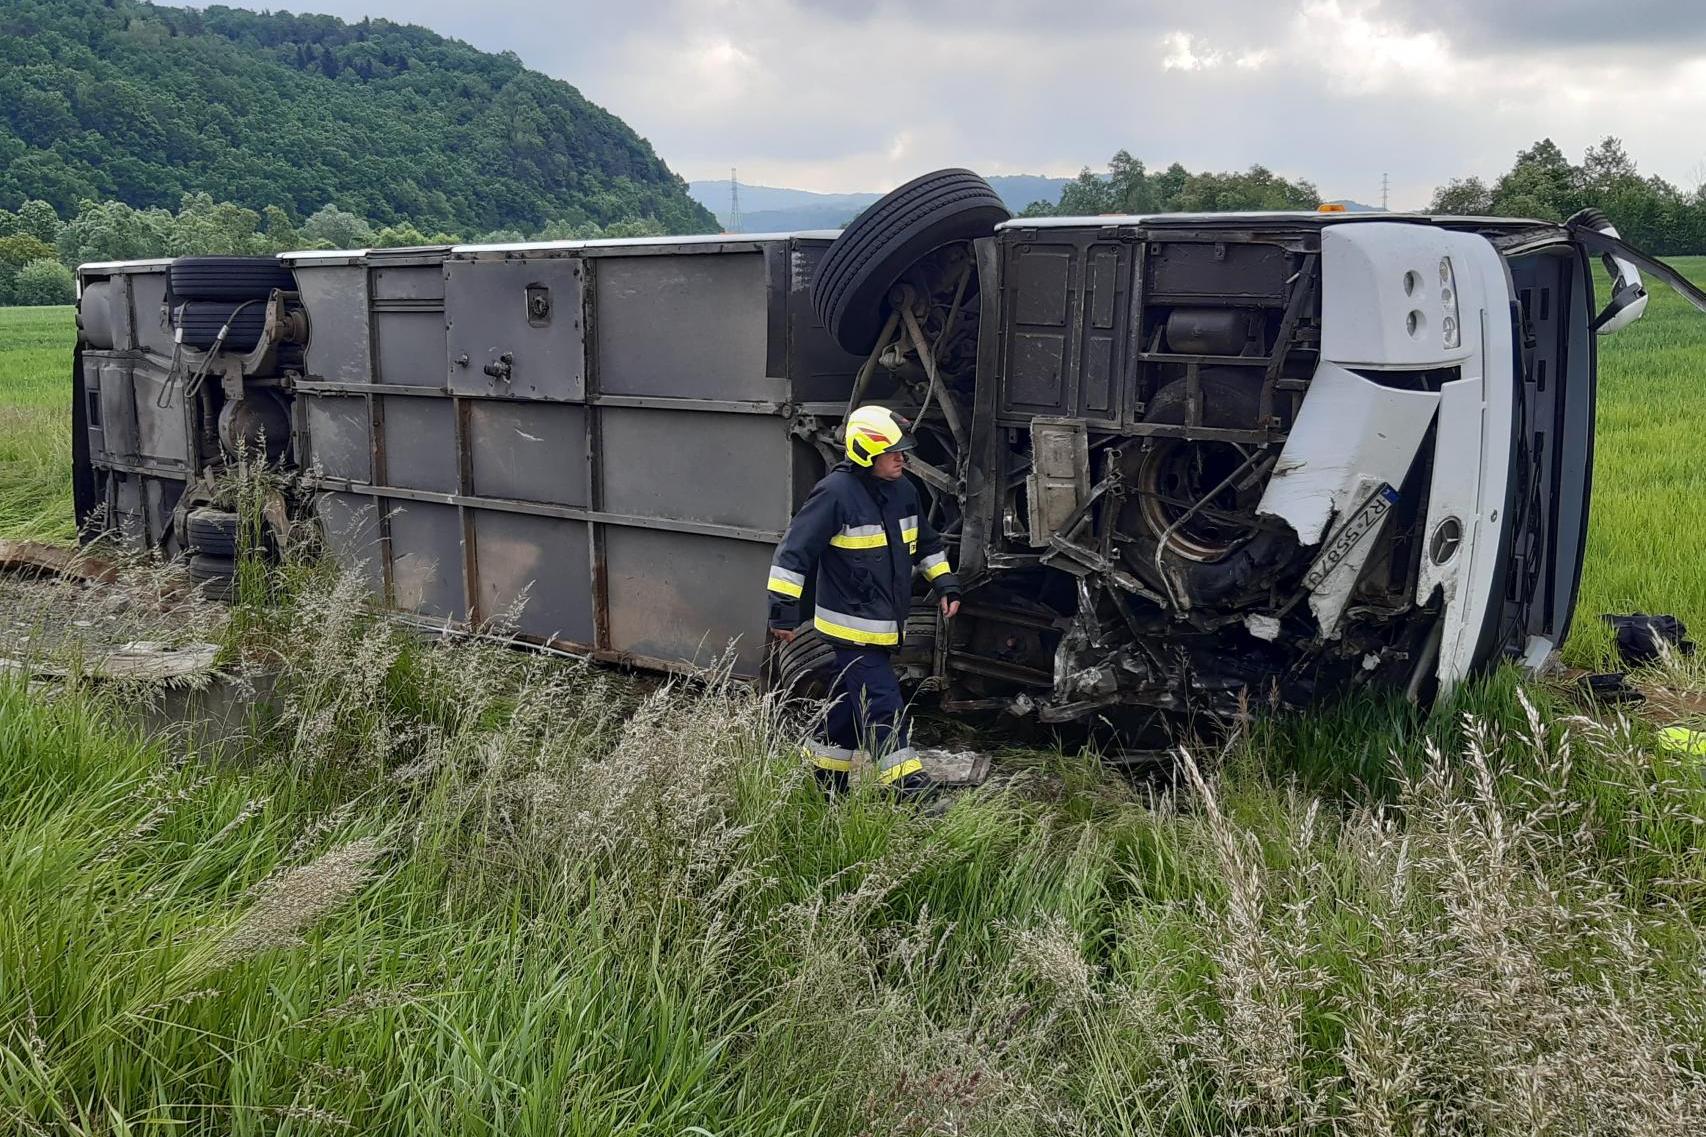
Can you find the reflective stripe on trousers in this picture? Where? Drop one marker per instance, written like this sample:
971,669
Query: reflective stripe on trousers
897,764
867,712
827,757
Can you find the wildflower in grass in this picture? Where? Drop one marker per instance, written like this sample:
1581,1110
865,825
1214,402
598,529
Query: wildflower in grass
313,1115
1050,953
251,809
294,900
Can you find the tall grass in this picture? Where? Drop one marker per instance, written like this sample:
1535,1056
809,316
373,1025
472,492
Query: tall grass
35,422
452,889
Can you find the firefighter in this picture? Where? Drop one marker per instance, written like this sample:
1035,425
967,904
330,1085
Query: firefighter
863,532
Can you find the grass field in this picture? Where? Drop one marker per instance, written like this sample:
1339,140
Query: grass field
35,422
448,889
1649,491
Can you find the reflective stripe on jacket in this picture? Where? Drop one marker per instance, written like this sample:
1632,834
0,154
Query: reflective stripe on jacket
862,537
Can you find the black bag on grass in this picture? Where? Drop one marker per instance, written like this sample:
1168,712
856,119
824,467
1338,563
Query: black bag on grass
1639,636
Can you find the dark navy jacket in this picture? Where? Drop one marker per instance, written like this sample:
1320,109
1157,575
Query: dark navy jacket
863,536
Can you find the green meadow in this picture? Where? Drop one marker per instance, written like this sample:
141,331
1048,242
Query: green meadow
35,422
1649,479
438,887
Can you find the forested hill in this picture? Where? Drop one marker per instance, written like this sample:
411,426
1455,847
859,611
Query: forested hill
142,103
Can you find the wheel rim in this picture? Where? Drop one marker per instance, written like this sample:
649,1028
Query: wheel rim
1174,476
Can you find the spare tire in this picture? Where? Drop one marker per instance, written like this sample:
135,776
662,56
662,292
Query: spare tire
805,665
850,292
1223,555
918,639
215,577
227,278
199,322
212,532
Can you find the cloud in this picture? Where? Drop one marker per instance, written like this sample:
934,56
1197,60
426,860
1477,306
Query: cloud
828,95
1361,53
1184,52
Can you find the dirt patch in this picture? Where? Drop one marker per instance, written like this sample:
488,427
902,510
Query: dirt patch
62,610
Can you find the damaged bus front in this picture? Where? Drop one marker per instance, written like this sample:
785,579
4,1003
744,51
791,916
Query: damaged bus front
1227,460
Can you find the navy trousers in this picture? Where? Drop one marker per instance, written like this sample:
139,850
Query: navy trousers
866,710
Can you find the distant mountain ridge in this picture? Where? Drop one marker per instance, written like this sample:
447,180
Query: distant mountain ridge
774,209
144,103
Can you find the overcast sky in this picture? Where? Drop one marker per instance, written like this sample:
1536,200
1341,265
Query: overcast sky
840,96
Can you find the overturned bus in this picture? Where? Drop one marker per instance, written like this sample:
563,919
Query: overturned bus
1185,463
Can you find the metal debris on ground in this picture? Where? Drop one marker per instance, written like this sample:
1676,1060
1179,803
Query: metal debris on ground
955,767
1610,687
58,560
64,611
141,661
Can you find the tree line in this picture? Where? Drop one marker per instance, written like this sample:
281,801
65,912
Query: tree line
39,246
1542,183
39,249
1129,187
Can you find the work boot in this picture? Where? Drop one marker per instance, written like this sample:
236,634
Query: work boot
915,786
833,783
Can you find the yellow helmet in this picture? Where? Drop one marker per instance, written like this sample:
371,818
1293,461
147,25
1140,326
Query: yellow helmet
873,430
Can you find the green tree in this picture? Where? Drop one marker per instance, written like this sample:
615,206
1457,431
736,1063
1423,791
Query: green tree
403,236
1462,197
16,251
566,230
44,281
204,226
279,230
1130,188
331,228
113,231
635,227
1542,184
1607,168
1085,196
39,220
1169,184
